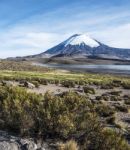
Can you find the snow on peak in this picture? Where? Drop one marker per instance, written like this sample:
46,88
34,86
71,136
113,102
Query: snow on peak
79,39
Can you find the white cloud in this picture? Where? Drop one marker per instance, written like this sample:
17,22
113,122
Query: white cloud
117,36
28,43
20,44
41,32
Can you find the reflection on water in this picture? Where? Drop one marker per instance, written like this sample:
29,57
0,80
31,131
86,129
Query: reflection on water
125,69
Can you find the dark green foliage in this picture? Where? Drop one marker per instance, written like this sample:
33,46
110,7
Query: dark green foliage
104,110
115,98
81,82
36,83
122,108
44,82
89,90
66,116
115,93
110,120
107,86
17,108
105,97
57,82
127,101
68,84
49,115
126,85
105,140
113,139
117,82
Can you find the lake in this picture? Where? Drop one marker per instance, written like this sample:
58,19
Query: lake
116,69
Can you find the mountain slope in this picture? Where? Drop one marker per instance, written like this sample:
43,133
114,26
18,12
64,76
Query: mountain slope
80,45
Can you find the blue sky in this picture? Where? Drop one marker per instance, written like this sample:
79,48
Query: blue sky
32,26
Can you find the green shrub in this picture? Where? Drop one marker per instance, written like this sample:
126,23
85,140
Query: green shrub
81,82
122,108
114,140
127,101
107,86
118,126
69,145
57,116
98,98
110,120
36,83
106,139
44,82
115,98
57,82
104,110
117,83
17,108
115,93
126,85
89,90
68,84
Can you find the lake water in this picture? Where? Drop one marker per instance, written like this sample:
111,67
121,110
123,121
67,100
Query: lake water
117,69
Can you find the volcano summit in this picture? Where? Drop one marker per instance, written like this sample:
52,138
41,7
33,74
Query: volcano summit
81,45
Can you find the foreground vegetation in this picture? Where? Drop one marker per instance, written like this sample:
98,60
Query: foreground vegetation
65,116
76,120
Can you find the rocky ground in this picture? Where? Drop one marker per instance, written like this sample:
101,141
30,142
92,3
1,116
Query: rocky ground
9,142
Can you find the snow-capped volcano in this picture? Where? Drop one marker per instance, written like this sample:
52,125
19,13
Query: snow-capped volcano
80,45
80,39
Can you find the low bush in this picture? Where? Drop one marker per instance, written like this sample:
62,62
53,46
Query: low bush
117,83
111,120
44,82
122,108
64,116
114,140
89,90
115,93
107,86
106,139
57,82
81,82
127,101
118,126
36,83
115,98
104,110
69,145
99,98
68,84
126,85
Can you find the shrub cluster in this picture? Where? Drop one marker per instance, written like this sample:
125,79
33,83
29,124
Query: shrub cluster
89,90
68,84
66,116
104,110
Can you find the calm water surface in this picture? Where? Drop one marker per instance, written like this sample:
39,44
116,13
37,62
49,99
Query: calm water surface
118,69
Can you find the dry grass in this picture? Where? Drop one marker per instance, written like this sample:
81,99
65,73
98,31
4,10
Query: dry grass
69,145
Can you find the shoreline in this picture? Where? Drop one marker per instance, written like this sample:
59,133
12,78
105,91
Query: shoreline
88,69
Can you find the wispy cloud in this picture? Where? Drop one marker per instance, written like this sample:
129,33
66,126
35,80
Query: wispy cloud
117,37
40,30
